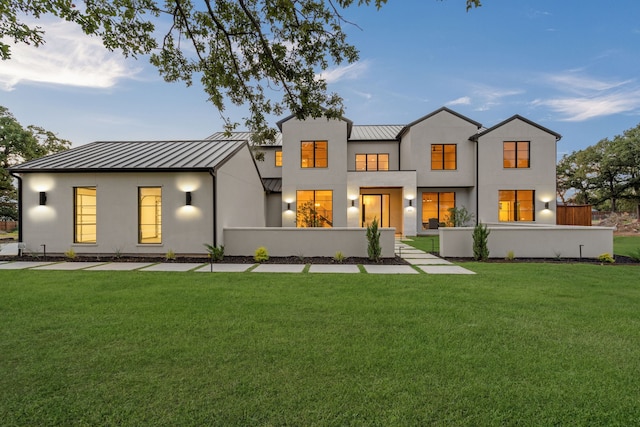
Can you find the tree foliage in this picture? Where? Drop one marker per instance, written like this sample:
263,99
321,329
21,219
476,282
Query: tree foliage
606,175
19,144
238,48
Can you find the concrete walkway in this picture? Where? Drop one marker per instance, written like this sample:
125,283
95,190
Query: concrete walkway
420,262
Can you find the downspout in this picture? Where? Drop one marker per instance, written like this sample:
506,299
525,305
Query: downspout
477,183
19,178
215,208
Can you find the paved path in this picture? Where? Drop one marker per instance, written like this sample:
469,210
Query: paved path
420,262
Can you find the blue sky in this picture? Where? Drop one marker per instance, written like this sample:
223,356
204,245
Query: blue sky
572,66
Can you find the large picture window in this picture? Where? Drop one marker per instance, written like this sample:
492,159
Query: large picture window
515,154
435,208
314,208
150,215
84,215
443,157
372,162
314,154
516,205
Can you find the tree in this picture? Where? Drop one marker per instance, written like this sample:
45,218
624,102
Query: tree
238,48
19,144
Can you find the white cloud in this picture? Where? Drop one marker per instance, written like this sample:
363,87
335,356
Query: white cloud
351,71
69,57
465,100
590,97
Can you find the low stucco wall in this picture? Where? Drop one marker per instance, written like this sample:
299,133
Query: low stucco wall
530,241
291,241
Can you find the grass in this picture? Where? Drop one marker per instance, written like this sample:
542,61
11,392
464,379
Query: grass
425,243
627,246
525,344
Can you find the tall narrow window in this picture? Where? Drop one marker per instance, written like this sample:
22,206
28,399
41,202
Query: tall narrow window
515,154
444,157
516,205
314,208
279,158
372,162
313,154
85,216
435,207
150,215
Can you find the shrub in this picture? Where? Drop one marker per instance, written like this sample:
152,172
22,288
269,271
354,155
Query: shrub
459,217
510,256
373,237
480,238
261,254
606,258
216,253
70,254
171,255
338,257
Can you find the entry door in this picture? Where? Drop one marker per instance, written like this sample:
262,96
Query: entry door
375,206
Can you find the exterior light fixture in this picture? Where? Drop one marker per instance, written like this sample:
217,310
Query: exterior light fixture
43,198
546,205
353,203
410,202
187,198
288,206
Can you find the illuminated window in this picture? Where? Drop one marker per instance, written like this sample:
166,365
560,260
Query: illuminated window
436,206
313,154
279,158
515,154
372,162
84,207
314,208
516,205
443,157
150,215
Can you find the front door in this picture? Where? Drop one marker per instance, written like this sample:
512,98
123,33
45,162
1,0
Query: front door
375,206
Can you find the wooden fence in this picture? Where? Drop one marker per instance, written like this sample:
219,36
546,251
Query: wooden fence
573,215
8,225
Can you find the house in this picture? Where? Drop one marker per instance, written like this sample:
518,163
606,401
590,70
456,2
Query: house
138,198
409,176
152,197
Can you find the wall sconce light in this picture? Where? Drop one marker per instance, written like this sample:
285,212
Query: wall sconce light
546,205
187,198
410,202
353,203
43,198
288,206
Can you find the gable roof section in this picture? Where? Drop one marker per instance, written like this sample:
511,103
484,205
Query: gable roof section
293,116
375,132
440,110
134,156
510,119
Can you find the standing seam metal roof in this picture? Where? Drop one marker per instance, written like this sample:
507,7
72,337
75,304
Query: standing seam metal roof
137,155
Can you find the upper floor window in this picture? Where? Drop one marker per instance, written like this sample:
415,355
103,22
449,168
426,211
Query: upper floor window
372,162
313,154
443,157
84,218
279,158
515,154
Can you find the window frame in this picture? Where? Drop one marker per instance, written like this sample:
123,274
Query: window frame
516,211
439,210
315,160
315,201
366,162
443,163
516,155
278,159
77,237
157,225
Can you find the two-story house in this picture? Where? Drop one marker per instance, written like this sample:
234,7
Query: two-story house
328,173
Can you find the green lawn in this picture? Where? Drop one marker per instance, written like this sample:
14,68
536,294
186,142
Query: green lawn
516,344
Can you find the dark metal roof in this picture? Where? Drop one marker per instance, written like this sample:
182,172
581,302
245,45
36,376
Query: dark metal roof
515,117
124,156
273,185
244,135
375,132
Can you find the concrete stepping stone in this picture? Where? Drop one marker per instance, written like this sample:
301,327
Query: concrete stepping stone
427,261
70,266
224,268
444,269
334,268
279,268
20,265
170,266
389,269
120,266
